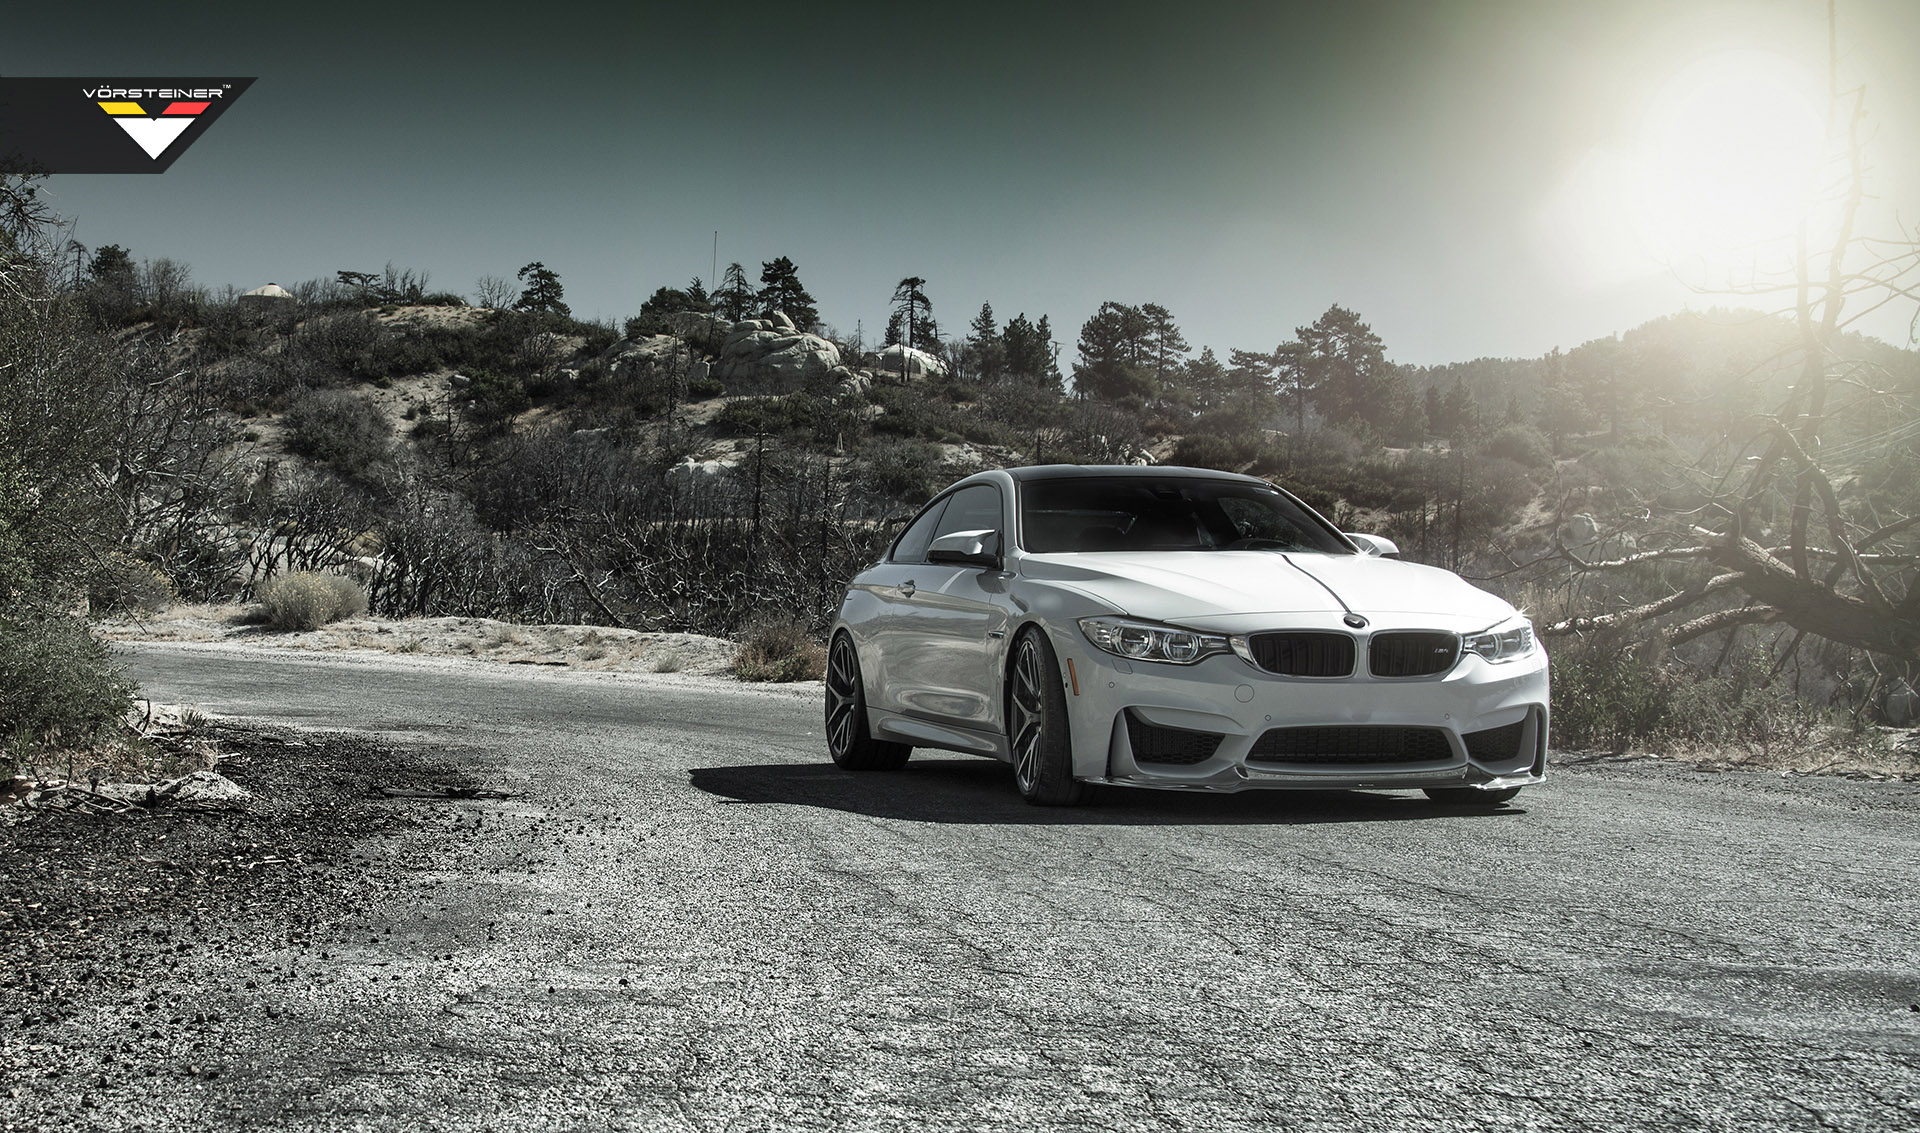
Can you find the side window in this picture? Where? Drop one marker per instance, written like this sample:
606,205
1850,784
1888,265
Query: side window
971,509
911,547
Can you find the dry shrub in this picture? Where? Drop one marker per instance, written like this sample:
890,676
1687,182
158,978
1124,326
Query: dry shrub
309,600
779,649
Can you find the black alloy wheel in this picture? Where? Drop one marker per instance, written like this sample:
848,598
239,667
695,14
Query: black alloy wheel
848,740
1037,728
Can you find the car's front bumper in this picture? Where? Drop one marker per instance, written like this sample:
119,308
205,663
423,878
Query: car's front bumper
1493,720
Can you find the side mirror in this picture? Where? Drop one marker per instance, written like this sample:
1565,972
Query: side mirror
967,548
1374,545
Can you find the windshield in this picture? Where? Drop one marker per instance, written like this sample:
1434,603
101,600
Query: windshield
1120,514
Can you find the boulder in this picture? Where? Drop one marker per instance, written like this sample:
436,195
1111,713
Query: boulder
745,327
691,474
907,360
781,321
698,372
696,329
640,354
768,359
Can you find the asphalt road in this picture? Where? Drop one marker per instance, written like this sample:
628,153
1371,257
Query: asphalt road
690,919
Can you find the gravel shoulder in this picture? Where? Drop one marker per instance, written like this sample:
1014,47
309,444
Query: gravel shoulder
133,948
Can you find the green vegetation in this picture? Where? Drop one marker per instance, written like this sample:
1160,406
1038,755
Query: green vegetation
57,684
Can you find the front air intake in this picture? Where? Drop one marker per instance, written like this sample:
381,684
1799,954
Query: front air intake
1496,745
1416,654
1353,743
1155,744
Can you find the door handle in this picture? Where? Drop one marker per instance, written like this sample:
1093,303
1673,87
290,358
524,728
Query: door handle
907,588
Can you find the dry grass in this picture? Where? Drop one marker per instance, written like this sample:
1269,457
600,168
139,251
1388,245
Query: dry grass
779,649
308,600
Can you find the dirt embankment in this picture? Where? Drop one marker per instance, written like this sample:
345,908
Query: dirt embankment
593,648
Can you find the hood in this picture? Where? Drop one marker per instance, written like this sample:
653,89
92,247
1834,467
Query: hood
1222,589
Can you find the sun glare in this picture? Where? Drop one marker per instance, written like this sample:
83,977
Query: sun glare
1712,179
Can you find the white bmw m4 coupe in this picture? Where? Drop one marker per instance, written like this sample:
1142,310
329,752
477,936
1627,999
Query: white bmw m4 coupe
1184,629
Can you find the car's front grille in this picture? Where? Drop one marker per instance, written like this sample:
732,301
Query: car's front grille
1155,744
1353,743
1414,654
1496,745
1303,654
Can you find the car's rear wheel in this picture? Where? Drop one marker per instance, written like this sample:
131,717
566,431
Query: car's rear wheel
1471,796
848,740
1037,728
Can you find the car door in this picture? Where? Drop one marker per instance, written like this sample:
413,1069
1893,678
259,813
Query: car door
885,627
943,656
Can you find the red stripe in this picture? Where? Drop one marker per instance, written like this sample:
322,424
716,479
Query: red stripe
186,107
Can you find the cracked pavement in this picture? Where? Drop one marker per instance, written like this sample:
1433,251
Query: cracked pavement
689,919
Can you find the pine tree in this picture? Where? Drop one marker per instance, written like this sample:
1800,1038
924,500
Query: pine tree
1353,382
915,311
1115,362
1204,383
735,298
1249,382
1294,384
986,354
540,291
780,290
1049,353
1461,411
1163,342
1030,353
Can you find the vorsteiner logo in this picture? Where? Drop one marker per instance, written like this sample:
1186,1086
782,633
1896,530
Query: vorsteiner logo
118,125
151,92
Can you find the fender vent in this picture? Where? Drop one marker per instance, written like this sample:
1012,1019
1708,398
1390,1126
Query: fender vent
1357,743
1303,654
1155,744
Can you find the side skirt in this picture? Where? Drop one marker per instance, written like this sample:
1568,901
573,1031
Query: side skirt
924,733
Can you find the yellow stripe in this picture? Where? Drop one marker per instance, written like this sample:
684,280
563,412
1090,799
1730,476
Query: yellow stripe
122,108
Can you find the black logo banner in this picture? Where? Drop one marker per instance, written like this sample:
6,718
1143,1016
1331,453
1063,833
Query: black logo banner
111,124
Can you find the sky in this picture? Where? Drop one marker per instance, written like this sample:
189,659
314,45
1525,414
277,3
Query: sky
1474,177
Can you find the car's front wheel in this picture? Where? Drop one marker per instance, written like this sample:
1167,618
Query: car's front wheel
1037,728
848,740
1471,796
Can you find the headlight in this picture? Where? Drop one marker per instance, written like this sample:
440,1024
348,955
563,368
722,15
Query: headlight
1505,642
1145,641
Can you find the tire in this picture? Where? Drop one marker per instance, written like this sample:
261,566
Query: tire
1037,729
848,740
1471,796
